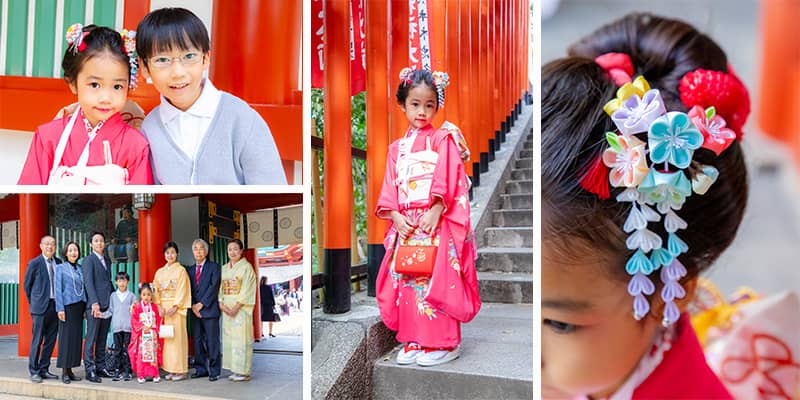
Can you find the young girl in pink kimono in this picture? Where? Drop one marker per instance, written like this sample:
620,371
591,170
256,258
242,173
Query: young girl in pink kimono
145,347
93,145
425,194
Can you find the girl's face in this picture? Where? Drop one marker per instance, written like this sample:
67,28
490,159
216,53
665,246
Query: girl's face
171,255
234,252
178,75
72,253
146,296
420,106
590,341
101,87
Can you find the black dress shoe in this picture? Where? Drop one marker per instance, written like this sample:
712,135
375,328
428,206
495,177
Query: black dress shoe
213,378
74,378
36,378
65,379
92,377
196,375
47,375
104,373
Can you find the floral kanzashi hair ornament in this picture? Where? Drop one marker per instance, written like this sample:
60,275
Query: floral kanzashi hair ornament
656,190
440,80
75,36
129,47
406,74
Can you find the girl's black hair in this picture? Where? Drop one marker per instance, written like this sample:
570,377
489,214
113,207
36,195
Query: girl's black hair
574,90
171,244
145,286
66,247
98,40
418,77
168,29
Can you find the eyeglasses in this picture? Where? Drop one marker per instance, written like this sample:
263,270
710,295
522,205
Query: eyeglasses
186,59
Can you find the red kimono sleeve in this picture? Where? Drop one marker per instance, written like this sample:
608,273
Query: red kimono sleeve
387,200
450,185
139,172
38,163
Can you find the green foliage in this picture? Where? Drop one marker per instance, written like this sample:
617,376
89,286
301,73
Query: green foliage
359,140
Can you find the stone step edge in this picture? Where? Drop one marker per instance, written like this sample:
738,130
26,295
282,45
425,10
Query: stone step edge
505,276
75,390
383,363
506,250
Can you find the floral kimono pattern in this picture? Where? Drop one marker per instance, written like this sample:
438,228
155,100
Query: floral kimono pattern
145,347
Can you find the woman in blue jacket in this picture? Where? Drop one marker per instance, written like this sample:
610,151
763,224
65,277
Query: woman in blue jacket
70,305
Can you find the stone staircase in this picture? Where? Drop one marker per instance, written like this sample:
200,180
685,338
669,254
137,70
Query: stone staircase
505,258
497,346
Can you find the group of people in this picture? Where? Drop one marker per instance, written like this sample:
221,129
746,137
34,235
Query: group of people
93,144
149,332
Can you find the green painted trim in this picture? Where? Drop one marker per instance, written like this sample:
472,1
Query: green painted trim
105,12
44,38
16,51
74,12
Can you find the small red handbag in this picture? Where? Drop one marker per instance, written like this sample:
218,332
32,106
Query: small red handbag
415,260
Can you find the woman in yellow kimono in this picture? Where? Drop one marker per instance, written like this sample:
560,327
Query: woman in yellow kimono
237,295
173,296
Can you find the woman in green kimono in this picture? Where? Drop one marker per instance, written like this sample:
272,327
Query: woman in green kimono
237,295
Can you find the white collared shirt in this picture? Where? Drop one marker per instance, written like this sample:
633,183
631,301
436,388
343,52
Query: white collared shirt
188,128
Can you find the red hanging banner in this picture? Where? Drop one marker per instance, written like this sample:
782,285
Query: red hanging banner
357,45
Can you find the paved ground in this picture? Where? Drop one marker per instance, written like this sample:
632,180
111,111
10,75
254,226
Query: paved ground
275,376
763,256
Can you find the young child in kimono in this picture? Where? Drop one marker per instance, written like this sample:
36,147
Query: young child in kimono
642,171
93,145
145,347
199,134
425,194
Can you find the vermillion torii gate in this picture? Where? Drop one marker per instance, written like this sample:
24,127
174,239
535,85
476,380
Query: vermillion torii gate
481,44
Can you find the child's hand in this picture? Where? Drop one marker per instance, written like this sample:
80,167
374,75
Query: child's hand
402,224
430,219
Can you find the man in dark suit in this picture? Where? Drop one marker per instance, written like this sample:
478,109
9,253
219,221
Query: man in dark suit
40,290
97,281
205,277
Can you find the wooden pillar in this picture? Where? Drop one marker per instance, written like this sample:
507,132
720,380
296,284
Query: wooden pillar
33,224
378,138
398,59
470,62
338,201
155,229
483,82
134,12
255,55
452,41
256,47
495,79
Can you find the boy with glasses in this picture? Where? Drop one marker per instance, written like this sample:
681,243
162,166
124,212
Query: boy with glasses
198,134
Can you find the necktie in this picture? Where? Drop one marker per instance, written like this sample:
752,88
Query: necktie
198,270
52,283
103,261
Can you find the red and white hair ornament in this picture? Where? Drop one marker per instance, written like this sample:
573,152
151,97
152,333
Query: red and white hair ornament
75,36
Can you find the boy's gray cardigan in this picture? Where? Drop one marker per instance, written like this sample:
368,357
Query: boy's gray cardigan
238,149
